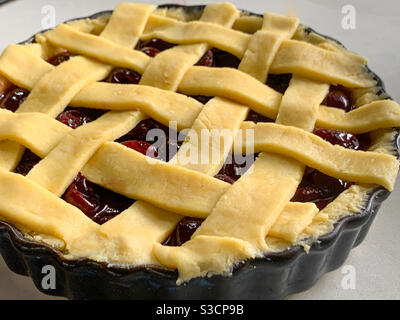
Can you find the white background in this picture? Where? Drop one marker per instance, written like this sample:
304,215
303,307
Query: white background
377,260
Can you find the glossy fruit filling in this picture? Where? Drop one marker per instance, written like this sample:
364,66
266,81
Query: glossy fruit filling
219,59
149,135
97,203
339,97
235,166
318,187
279,82
123,76
75,117
183,231
13,98
60,58
153,46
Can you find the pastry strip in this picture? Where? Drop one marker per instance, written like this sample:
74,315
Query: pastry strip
369,117
213,133
217,36
333,160
336,67
38,132
59,218
293,220
12,65
163,106
299,106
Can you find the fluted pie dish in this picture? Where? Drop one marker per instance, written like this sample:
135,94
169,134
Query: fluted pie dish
103,177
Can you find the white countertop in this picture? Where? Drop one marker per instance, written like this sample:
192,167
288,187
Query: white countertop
376,261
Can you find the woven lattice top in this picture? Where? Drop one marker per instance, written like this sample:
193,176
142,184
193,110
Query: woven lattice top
242,220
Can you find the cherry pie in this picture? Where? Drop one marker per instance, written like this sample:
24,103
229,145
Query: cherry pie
81,172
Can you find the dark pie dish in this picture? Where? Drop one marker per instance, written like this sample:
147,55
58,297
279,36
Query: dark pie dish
274,276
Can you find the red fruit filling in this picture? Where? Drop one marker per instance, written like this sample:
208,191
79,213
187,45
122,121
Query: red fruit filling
168,144
279,82
28,161
207,60
13,98
223,59
318,187
151,52
342,138
123,76
59,58
75,117
99,204
225,178
339,97
142,147
256,117
235,166
154,43
183,231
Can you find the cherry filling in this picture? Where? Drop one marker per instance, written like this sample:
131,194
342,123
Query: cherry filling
141,137
13,98
99,204
339,97
28,161
142,147
256,117
279,82
318,187
75,117
202,99
218,58
59,58
123,76
183,231
342,138
207,60
153,46
235,166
